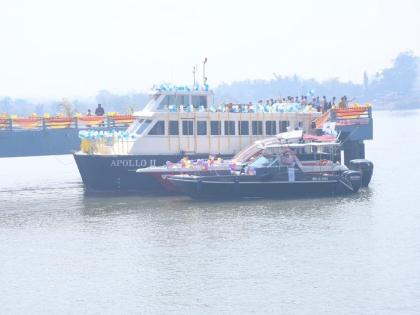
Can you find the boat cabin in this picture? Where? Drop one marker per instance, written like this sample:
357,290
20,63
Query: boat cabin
307,157
186,121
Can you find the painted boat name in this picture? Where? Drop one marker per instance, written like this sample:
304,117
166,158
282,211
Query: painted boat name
132,163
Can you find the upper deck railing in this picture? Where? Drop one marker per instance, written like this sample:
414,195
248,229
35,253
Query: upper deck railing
353,115
14,123
355,122
285,107
112,120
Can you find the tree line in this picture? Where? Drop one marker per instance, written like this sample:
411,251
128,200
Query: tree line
396,87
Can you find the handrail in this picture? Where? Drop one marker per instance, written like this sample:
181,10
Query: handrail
349,113
60,122
345,116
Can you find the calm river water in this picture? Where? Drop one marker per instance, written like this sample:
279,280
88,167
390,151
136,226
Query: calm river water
63,252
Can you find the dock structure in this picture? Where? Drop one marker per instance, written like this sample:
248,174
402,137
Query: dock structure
31,136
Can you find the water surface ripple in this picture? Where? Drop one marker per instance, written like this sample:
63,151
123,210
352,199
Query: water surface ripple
64,252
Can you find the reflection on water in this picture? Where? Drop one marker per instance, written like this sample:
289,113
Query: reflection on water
177,205
65,252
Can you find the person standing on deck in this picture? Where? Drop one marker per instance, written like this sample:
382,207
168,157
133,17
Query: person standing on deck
304,101
343,102
318,104
324,104
99,111
328,106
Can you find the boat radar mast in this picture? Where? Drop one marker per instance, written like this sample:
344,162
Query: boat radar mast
204,72
195,69
194,72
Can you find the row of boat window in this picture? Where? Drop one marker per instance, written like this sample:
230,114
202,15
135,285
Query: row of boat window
230,127
196,100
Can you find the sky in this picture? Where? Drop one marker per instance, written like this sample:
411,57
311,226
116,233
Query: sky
59,48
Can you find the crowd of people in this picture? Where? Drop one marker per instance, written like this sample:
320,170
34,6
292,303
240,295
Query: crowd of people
321,104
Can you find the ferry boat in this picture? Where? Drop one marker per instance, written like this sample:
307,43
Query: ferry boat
178,122
278,172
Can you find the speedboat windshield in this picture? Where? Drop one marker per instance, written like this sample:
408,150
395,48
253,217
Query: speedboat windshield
265,161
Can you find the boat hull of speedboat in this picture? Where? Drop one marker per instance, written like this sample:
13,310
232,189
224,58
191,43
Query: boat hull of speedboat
233,187
169,187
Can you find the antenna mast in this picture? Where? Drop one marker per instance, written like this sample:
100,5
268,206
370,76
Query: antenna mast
204,71
194,72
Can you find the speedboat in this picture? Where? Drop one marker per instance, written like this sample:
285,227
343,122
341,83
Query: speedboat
217,166
278,172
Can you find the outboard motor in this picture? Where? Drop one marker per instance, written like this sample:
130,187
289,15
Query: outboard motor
350,181
365,167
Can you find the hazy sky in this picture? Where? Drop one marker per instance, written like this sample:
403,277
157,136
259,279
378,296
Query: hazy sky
53,48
